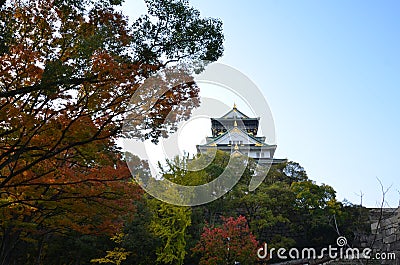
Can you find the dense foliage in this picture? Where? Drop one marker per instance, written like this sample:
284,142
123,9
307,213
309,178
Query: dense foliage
229,244
68,69
286,210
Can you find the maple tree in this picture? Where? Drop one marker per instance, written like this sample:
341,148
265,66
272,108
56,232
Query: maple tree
231,243
67,72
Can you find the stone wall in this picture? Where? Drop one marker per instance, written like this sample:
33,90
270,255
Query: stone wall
384,238
386,234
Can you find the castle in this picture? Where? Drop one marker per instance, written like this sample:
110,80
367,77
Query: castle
236,132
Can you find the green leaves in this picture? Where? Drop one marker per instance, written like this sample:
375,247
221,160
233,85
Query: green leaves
169,223
312,196
176,31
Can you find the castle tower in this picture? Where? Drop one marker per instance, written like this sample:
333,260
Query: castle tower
237,132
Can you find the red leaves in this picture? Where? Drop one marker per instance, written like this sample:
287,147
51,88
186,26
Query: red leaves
227,244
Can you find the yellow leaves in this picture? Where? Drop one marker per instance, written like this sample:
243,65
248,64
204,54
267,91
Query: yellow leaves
7,199
16,206
117,255
118,237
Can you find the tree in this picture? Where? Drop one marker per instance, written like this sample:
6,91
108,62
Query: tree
169,223
67,78
286,210
68,69
312,196
231,243
139,239
115,256
315,207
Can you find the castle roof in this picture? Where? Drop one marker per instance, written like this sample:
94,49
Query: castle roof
235,114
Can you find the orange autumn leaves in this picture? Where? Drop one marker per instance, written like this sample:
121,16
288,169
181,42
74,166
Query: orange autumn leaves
68,70
66,81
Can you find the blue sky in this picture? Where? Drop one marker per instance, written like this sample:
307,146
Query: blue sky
330,71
